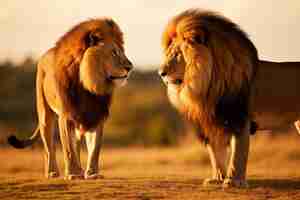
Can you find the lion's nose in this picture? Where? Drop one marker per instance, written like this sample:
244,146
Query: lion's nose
162,73
128,66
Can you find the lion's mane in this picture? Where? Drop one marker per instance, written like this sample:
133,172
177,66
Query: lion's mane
85,102
217,81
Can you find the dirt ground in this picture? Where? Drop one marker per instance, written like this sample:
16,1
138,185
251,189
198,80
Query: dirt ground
157,173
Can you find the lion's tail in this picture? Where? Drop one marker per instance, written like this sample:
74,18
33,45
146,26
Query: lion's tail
20,144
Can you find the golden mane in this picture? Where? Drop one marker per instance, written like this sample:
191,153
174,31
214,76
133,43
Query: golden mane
74,84
74,42
209,69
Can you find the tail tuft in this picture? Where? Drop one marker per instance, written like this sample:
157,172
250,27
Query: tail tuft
15,142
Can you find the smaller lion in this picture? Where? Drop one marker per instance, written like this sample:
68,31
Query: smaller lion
209,70
75,82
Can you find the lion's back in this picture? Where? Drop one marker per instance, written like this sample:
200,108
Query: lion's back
277,94
279,82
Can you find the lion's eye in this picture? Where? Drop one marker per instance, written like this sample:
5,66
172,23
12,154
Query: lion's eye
114,53
200,39
94,39
178,56
175,54
174,61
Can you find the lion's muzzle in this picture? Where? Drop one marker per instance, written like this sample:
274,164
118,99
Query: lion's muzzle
162,73
168,80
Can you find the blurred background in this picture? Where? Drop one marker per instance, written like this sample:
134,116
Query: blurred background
141,113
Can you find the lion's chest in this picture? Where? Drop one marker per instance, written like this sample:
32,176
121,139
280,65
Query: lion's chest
180,98
92,108
174,97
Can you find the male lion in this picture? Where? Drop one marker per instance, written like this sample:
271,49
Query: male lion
75,80
209,69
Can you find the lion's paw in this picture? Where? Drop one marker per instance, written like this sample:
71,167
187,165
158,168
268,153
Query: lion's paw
235,183
52,175
93,176
212,182
74,177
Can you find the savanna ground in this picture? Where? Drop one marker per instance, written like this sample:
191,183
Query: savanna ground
158,173
142,117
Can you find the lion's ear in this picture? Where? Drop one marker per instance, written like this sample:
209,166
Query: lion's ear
93,39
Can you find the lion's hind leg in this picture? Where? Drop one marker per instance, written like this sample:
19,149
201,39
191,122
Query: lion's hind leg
47,135
218,158
46,126
236,172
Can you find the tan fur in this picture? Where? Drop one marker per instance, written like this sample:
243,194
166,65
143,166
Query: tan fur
209,68
277,92
75,81
297,125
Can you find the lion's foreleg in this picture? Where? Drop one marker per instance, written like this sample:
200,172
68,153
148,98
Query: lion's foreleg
73,168
46,126
79,135
218,158
93,141
236,173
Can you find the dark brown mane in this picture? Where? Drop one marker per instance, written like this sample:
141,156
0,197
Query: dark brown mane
220,94
210,22
92,108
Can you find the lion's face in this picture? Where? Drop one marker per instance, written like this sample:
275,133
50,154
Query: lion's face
112,60
173,69
117,66
182,53
104,63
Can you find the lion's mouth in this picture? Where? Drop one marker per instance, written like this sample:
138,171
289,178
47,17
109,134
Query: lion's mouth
177,81
117,77
118,81
173,82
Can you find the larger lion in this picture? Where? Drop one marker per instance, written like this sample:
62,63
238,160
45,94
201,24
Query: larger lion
75,81
209,69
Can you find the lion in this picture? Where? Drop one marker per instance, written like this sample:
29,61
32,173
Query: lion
209,69
75,81
277,92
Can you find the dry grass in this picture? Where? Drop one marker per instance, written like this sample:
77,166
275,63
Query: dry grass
157,173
